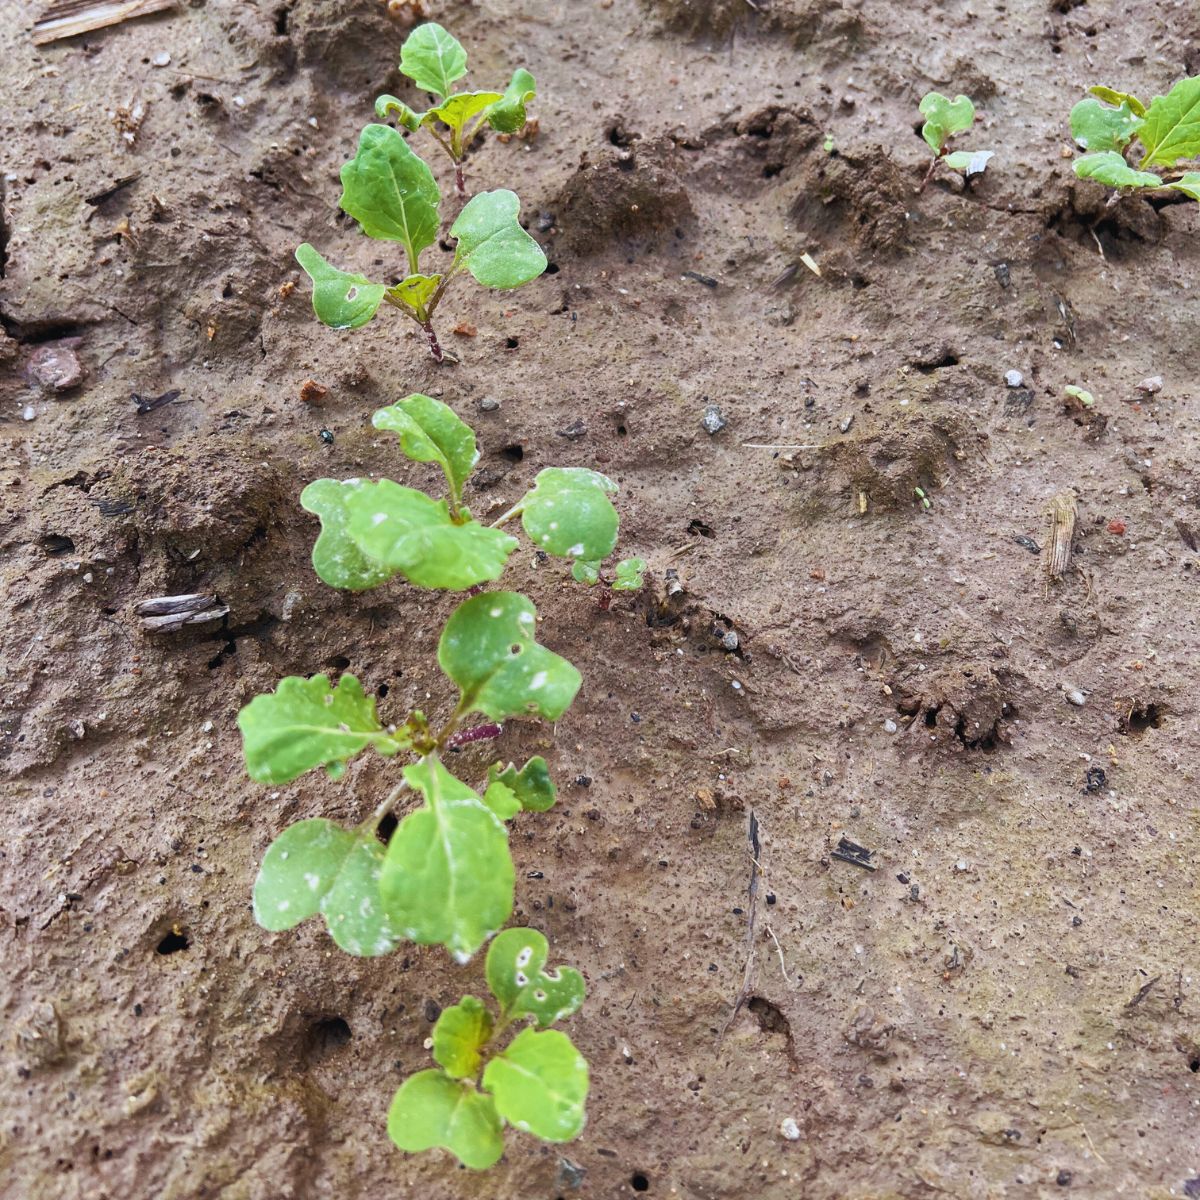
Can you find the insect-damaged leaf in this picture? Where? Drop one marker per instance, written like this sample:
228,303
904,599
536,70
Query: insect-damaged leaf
405,531
1115,98
341,300
447,876
316,866
431,1109
336,559
305,723
1096,127
517,976
531,786
944,118
540,1085
460,1034
1110,168
429,431
568,513
489,649
433,59
491,243
1171,130
507,115
390,192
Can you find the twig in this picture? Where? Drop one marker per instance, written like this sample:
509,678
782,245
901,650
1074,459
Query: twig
755,871
1143,992
782,964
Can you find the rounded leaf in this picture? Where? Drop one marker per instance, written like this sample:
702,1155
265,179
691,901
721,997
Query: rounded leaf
630,574
433,59
491,243
540,1085
1096,127
335,557
517,977
568,513
460,1034
431,1109
944,118
531,785
340,300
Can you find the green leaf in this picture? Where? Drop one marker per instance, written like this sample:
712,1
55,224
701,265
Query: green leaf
305,723
1171,130
390,192
583,571
491,243
431,1109
447,877
1096,127
944,118
970,162
415,291
1188,183
388,106
433,59
406,531
340,300
458,109
630,573
316,866
429,431
531,786
516,974
1081,394
568,513
507,115
1111,169
460,1034
1115,98
336,559
540,1085
489,649
502,800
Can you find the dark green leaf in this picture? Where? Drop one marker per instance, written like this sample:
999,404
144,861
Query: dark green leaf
531,785
1096,127
1171,130
429,431
389,106
1111,169
507,115
1189,184
433,59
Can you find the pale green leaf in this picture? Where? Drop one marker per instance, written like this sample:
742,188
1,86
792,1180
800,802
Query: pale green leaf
970,162
1111,169
1171,130
460,1034
305,723
491,243
1115,98
1189,184
502,800
1096,127
431,1109
630,573
532,786
340,300
415,291
429,431
388,106
944,118
433,59
336,559
447,877
540,1085
458,109
406,531
488,648
507,115
390,192
568,513
517,977
1081,394
583,571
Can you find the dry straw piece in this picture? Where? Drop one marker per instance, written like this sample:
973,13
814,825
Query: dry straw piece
71,17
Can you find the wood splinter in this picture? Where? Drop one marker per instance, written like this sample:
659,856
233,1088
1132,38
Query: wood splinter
165,614
1063,511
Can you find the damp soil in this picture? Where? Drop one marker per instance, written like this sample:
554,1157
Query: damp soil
970,966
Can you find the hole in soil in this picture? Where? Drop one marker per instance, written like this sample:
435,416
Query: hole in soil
386,827
513,453
931,716
927,367
639,1182
339,662
1142,717
382,690
174,942
1194,1066
697,526
57,543
445,245
227,292
281,21
618,135
552,268
326,1036
772,169
512,343
622,431
770,1019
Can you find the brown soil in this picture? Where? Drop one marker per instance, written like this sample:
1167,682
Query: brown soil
1008,1005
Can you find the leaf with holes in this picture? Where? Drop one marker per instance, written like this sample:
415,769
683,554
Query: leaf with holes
532,786
429,431
305,723
508,114
316,866
1171,129
491,243
489,649
460,1034
944,118
630,574
1096,127
336,558
447,876
540,1085
1116,99
433,59
517,977
568,513
431,1110
340,300
405,531
390,192
1111,169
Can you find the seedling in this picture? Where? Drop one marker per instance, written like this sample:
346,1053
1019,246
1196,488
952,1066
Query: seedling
1168,130
393,196
943,119
435,60
445,876
926,503
629,574
1081,394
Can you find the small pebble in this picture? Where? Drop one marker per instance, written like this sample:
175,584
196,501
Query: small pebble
1014,379
890,726
789,1130
161,59
713,420
28,413
1076,697
489,404
56,368
847,422
730,640
1151,386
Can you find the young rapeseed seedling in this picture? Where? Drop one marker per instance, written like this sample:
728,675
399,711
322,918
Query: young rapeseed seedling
1169,130
943,119
446,875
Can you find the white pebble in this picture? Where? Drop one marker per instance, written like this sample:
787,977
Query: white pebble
890,726
28,413
1075,696
789,1129
1014,379
161,59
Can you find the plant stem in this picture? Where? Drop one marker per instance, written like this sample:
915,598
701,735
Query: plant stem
386,803
477,733
508,516
929,174
434,347
460,182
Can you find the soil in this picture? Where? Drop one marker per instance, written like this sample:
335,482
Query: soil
1001,999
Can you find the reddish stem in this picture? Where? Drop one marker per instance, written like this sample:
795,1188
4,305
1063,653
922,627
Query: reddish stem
434,347
477,733
460,181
